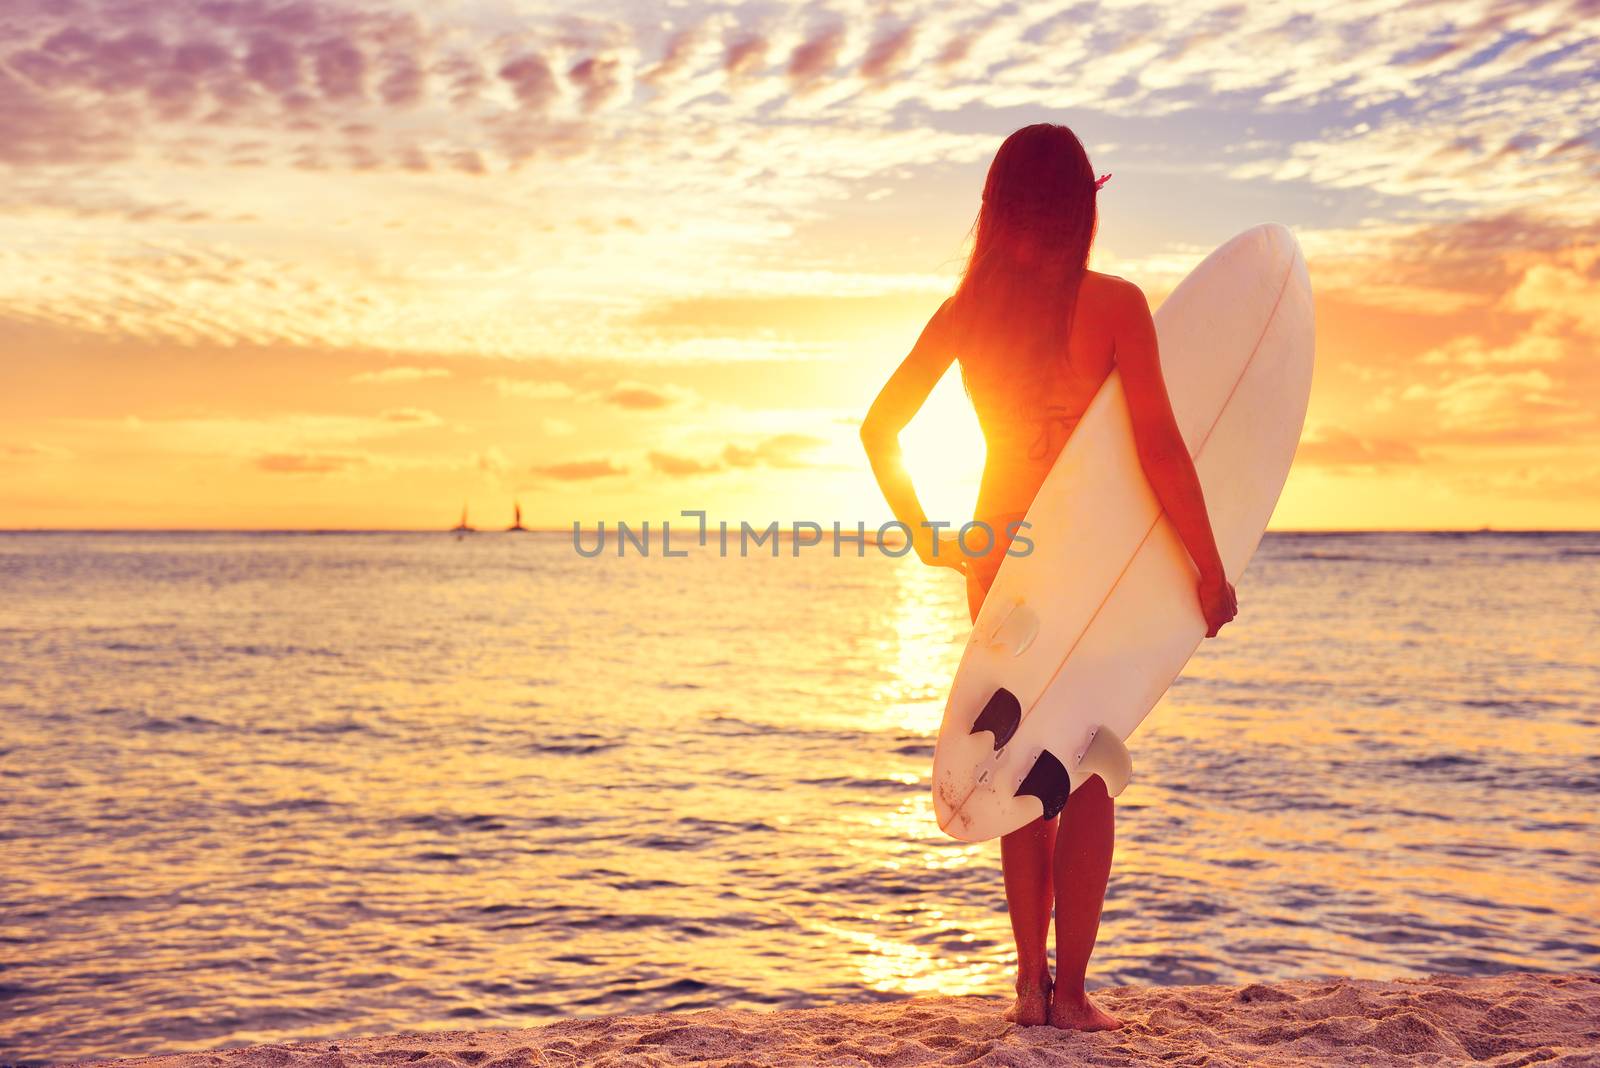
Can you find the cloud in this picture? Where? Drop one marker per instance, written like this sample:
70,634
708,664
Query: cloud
686,121
599,81
1566,290
826,307
37,129
271,62
680,466
390,375
745,56
340,68
679,52
273,440
27,196
888,53
957,48
33,450
780,450
816,57
1473,351
532,81
172,75
404,81
531,388
1333,447
412,416
464,78
1488,399
639,397
579,470
307,463
1491,110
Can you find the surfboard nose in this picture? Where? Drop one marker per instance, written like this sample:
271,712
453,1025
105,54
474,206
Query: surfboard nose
1272,241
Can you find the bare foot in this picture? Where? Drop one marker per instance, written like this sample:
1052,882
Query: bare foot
1032,1007
1080,1014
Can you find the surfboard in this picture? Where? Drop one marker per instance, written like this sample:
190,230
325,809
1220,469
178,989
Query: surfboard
1078,639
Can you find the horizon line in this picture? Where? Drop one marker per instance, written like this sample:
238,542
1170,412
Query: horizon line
783,532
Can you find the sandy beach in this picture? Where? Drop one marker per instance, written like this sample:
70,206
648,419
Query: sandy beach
1515,1019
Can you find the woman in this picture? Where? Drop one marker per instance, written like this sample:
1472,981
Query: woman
1037,333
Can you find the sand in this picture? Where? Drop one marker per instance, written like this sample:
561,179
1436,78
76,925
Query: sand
1515,1019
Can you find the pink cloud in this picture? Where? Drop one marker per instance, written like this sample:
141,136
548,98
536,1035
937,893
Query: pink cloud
888,53
38,129
745,56
200,58
464,76
680,49
404,82
816,57
272,63
532,81
599,80
467,162
341,69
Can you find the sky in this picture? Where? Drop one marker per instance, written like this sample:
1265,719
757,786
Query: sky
356,265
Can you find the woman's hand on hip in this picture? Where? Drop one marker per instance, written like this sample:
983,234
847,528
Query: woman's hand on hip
1218,602
939,552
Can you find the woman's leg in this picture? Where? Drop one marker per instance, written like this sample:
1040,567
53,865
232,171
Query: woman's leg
1082,864
1025,855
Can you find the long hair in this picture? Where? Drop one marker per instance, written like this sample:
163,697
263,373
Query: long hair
1013,310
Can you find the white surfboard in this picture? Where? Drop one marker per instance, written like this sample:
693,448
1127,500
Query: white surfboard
1078,640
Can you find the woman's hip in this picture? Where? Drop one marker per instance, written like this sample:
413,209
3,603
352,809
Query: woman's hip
985,552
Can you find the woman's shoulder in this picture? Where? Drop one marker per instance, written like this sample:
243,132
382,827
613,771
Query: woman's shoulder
1117,300
1111,284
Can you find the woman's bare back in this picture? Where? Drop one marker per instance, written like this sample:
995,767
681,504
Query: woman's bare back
1022,450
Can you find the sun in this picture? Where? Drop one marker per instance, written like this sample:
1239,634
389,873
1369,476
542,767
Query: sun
944,451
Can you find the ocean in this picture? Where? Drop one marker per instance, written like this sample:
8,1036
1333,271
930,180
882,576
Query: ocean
264,787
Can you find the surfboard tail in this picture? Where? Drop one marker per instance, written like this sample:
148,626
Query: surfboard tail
1053,782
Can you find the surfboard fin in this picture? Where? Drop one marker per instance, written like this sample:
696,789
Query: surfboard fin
1049,782
1103,755
1000,716
1016,629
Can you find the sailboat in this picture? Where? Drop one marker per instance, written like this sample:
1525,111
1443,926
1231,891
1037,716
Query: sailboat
516,522
462,527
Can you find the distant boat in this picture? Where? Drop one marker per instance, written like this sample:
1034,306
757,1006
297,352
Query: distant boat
463,527
516,522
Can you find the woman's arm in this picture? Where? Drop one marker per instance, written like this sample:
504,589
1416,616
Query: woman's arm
898,402
1164,456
